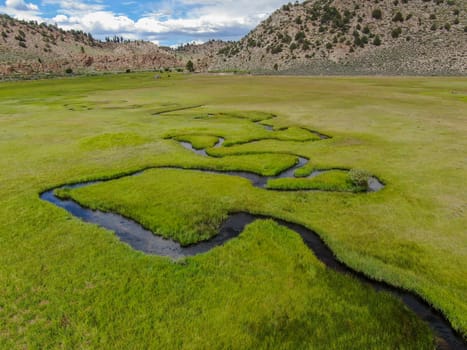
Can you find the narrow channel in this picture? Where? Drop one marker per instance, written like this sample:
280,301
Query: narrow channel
141,239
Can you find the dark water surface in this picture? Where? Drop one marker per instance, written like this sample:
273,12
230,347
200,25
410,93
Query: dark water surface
148,242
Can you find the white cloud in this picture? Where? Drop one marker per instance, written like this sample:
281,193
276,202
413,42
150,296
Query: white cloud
21,10
60,19
201,25
193,42
97,22
72,7
169,21
20,5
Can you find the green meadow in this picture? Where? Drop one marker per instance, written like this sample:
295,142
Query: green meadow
67,284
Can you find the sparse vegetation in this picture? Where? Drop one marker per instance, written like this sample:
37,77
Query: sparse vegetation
398,17
396,32
377,14
190,66
23,43
319,30
377,41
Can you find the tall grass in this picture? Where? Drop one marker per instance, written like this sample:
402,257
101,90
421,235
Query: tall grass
67,284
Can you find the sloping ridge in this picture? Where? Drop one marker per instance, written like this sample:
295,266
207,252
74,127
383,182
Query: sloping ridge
391,37
30,48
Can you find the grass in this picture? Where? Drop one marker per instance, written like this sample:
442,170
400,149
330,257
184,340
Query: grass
268,165
67,284
254,116
241,129
113,141
305,170
289,134
198,141
333,180
158,200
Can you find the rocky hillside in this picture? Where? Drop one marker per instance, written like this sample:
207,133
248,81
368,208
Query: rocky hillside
202,55
354,37
314,37
29,48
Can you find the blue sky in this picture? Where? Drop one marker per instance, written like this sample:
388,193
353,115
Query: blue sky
167,22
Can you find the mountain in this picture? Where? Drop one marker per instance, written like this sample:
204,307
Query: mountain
202,55
426,37
353,37
29,48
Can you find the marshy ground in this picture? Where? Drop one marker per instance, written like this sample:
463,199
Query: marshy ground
72,284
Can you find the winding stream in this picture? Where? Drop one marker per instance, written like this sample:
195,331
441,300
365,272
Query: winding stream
146,241
374,184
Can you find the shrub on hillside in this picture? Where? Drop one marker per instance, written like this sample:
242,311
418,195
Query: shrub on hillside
398,17
396,32
377,41
377,14
190,66
276,50
300,36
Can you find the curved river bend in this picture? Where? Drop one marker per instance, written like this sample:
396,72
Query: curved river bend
146,241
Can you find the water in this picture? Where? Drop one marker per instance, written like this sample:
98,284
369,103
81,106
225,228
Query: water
141,239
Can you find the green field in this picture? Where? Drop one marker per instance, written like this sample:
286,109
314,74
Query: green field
69,284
